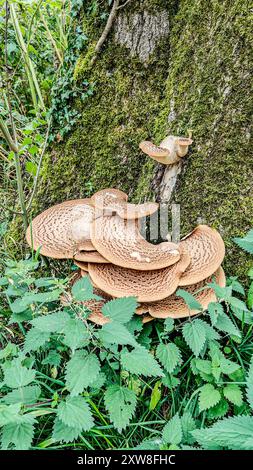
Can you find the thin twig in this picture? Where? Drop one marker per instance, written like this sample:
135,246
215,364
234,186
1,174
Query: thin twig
39,164
106,31
124,4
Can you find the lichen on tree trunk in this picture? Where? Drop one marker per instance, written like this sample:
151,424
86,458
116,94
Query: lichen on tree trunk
166,67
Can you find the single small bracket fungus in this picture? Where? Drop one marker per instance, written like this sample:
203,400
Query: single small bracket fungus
89,257
62,231
147,286
120,242
175,307
170,150
207,251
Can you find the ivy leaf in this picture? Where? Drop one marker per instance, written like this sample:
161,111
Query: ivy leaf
20,434
116,333
194,334
81,371
34,339
249,384
17,375
83,290
232,433
140,361
120,402
75,412
25,395
172,431
75,334
208,397
233,393
64,433
121,310
54,322
189,299
169,355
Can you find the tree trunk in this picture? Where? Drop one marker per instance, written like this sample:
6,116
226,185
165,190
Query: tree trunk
166,67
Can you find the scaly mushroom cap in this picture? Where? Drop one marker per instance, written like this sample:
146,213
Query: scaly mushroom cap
63,231
175,307
113,200
207,251
83,266
120,242
90,257
147,286
153,150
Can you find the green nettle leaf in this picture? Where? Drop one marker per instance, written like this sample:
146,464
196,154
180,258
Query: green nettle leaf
9,414
237,303
169,355
75,334
234,433
116,333
54,322
20,434
237,286
246,243
81,371
34,339
219,410
140,361
208,397
204,365
120,402
121,310
233,393
75,412
211,333
17,375
83,290
172,431
249,384
189,299
194,334
155,395
215,310
168,324
227,366
250,297
225,324
53,358
188,424
64,433
25,395
21,304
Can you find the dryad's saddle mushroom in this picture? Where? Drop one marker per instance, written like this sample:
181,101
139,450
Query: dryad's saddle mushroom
170,150
101,235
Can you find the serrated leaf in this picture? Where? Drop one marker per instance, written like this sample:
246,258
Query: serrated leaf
172,431
169,355
233,393
237,286
215,309
83,290
75,334
250,297
188,424
208,397
81,371
34,339
226,325
227,366
21,304
9,413
140,361
25,395
189,299
17,375
149,444
169,324
120,310
20,434
75,412
194,334
116,333
232,433
120,402
53,358
249,384
211,334
54,322
64,433
219,410
245,244
204,366
237,303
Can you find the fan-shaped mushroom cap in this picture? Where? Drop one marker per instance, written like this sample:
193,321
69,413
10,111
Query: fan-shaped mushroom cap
147,286
63,231
207,251
90,257
121,243
153,150
175,307
113,200
82,265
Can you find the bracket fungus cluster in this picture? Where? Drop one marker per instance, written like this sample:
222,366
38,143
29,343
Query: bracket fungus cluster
102,236
170,150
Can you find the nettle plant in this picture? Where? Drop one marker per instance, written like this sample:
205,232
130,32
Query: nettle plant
63,379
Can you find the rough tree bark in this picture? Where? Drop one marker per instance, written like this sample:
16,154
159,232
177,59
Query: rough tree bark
166,67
